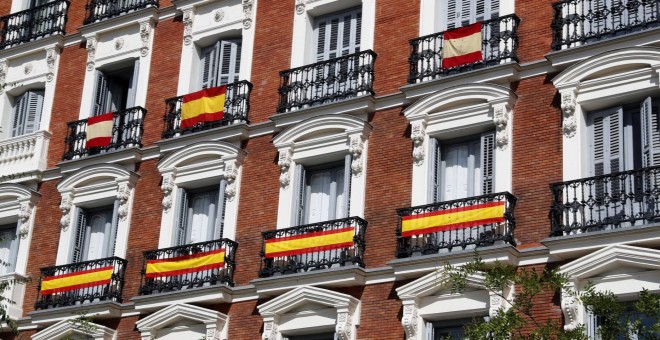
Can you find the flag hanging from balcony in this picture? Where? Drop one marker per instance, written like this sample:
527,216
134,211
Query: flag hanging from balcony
99,130
184,264
72,281
462,46
452,219
207,105
309,243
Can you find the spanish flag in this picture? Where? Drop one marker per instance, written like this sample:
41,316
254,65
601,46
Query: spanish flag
309,243
186,264
462,46
452,219
207,105
72,281
99,130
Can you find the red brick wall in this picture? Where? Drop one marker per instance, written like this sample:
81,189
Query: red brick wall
535,34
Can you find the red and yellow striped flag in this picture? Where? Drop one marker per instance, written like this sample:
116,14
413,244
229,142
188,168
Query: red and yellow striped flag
308,243
452,219
77,280
462,46
186,264
207,105
99,130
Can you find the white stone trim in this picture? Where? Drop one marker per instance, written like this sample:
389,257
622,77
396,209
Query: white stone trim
200,164
316,141
279,315
88,186
66,328
437,116
302,48
216,323
429,22
624,270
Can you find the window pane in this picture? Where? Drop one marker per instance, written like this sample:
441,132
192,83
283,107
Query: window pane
319,197
201,216
7,239
339,207
456,172
99,225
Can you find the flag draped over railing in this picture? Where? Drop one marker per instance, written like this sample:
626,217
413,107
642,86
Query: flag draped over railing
311,242
462,46
76,280
99,130
452,219
207,105
184,264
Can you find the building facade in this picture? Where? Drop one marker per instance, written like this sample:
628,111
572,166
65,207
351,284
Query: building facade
349,162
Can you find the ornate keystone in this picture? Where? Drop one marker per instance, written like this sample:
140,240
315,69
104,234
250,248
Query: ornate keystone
247,11
355,148
188,17
417,134
91,53
501,120
65,207
284,162
409,321
123,193
167,187
568,103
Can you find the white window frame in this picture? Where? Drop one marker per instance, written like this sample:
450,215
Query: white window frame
429,9
200,165
296,312
621,269
216,323
65,329
303,50
427,299
109,183
483,107
206,22
320,140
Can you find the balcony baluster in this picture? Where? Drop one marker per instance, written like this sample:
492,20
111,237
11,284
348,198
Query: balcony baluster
98,10
34,23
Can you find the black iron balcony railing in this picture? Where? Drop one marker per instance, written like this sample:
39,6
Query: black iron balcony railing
606,202
237,107
578,22
193,265
34,23
313,246
327,81
97,10
499,44
127,128
472,222
81,282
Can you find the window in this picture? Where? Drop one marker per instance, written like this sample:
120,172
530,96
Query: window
322,336
464,168
338,34
460,13
115,89
201,216
27,112
95,236
630,314
448,329
8,247
220,63
324,192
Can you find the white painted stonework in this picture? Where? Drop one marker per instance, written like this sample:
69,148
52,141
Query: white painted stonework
310,310
198,165
460,111
66,329
431,10
317,141
95,186
184,321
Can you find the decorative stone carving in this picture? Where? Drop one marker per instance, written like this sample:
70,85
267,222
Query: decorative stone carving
300,6
119,43
496,303
188,17
570,307
123,193
344,328
65,207
270,330
230,175
247,11
145,33
409,321
24,213
211,334
27,68
568,112
91,53
167,187
284,162
417,134
218,15
50,63
501,120
3,75
355,148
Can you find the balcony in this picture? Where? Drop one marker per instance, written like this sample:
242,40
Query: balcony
81,283
184,267
34,23
237,107
606,202
23,155
327,81
127,128
579,22
97,10
312,247
443,227
499,45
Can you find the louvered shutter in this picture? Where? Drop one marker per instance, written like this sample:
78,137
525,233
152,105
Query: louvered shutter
133,84
79,235
34,108
9,239
434,172
606,149
220,213
229,62
487,162
650,134
111,233
182,223
209,65
347,186
338,34
101,93
464,12
428,330
20,114
299,212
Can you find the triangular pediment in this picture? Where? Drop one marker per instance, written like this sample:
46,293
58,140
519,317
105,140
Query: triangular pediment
301,297
177,314
70,329
611,260
434,284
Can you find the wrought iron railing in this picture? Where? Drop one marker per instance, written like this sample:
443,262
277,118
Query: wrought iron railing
493,224
499,44
191,265
321,253
606,202
237,107
578,22
34,23
327,81
81,282
97,10
127,128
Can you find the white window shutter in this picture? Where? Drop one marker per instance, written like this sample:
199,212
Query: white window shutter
101,92
464,12
80,224
34,108
20,113
112,231
218,230
133,84
338,34
606,141
229,61
182,222
428,330
348,176
209,66
487,162
650,134
435,163
299,204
